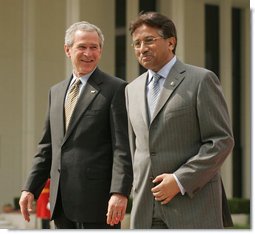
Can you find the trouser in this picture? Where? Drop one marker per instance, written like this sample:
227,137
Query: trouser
62,222
157,222
45,224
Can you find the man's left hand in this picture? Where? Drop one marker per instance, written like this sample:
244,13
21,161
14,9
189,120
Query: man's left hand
116,209
166,188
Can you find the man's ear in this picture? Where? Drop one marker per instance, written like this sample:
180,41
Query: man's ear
67,51
172,43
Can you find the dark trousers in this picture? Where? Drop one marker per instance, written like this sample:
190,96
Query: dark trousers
45,224
62,222
157,222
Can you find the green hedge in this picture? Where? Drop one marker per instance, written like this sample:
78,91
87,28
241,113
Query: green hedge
236,205
129,206
239,206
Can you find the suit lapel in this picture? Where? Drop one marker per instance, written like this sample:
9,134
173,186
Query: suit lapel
173,80
88,94
143,97
59,109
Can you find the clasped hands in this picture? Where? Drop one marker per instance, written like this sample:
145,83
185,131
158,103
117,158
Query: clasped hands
165,189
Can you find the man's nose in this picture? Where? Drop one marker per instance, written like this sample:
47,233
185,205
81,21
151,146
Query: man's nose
87,51
143,47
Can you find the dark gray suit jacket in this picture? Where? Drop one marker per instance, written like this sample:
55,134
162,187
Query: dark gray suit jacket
92,159
189,135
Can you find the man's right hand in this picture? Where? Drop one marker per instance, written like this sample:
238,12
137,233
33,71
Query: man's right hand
25,203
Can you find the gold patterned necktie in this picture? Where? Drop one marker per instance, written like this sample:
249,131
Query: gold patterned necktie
71,101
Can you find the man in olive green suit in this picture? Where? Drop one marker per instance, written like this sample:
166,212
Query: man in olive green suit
178,146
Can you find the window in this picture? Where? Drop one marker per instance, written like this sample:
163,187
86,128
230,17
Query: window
120,45
237,98
212,59
145,5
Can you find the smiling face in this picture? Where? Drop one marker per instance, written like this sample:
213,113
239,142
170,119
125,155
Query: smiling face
85,52
157,53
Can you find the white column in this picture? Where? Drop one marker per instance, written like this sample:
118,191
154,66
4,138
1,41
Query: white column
102,14
165,7
72,11
28,87
246,103
226,79
132,66
72,16
177,14
189,26
194,28
253,100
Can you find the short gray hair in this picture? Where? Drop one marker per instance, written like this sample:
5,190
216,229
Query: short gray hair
82,26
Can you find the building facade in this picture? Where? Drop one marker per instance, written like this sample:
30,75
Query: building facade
211,33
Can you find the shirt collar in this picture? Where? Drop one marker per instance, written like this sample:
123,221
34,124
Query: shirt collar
83,79
164,71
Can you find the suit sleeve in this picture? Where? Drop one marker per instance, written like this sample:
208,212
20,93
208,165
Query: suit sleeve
130,128
122,174
216,137
40,171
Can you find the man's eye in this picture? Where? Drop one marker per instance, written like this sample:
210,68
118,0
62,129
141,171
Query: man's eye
148,40
137,43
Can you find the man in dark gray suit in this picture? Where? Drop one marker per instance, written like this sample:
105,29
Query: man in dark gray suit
180,134
84,148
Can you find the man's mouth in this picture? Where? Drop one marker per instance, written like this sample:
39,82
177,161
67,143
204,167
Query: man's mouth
86,61
146,58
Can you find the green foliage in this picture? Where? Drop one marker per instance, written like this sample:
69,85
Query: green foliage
129,206
239,206
241,226
236,205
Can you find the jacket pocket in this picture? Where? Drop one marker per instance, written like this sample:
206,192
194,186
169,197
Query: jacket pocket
98,174
186,110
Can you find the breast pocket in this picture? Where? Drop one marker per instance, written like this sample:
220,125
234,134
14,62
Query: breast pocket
93,112
182,111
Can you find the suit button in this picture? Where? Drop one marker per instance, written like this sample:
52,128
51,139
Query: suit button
66,147
59,170
196,190
153,154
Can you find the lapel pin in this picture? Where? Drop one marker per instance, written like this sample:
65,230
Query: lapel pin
92,91
172,83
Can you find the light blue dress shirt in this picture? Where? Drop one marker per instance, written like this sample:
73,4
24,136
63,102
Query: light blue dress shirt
163,72
83,80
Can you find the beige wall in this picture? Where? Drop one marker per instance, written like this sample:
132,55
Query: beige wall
101,13
10,98
32,59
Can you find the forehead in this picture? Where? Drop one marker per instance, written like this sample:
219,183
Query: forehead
144,31
86,37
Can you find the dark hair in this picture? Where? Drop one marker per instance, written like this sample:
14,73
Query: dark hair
155,20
